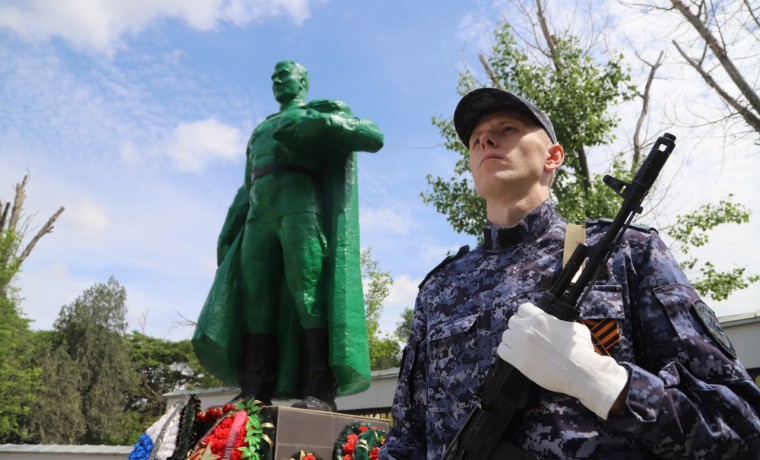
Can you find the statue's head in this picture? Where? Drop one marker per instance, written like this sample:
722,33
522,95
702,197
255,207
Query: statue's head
289,82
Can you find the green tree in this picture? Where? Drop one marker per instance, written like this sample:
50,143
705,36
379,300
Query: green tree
404,326
692,231
58,416
19,378
89,351
579,93
384,351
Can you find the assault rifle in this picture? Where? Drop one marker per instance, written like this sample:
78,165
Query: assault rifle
506,391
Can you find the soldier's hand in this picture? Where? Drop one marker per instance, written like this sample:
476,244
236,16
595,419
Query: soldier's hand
559,356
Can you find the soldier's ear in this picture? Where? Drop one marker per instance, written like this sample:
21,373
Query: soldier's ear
555,157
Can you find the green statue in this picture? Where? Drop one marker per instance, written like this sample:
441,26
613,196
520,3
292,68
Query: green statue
285,315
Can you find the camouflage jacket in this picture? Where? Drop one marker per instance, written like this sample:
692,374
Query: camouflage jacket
689,396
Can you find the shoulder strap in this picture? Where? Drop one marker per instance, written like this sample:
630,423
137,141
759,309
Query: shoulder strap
574,235
604,332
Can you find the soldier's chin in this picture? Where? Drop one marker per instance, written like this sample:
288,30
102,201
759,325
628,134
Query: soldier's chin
282,98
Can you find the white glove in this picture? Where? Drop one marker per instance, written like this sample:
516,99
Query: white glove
559,356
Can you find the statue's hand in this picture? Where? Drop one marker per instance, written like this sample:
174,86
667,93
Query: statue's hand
302,129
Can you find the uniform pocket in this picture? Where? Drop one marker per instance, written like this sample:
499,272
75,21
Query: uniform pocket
603,311
455,358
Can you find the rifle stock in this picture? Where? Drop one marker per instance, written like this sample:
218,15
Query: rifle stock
506,391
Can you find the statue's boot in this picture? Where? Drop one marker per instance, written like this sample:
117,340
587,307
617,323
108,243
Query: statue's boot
258,368
321,387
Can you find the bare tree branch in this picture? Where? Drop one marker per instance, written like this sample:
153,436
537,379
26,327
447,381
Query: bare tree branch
18,203
752,13
47,228
547,35
550,42
4,216
637,144
749,117
490,72
13,227
720,53
184,321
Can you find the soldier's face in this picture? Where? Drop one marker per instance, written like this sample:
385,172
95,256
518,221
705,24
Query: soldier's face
508,153
286,83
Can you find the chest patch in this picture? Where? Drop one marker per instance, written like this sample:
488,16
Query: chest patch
712,325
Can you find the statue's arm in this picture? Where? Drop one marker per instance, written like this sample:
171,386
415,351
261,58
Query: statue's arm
357,134
330,122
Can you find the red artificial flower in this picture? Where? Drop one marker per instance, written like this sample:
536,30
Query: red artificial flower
350,445
347,457
363,429
309,457
228,407
374,453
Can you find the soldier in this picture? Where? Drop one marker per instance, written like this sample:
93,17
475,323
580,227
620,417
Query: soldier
672,387
289,258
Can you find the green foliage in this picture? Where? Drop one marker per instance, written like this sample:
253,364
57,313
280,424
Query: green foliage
600,201
90,357
577,94
20,373
384,351
404,326
58,416
87,381
692,231
719,285
19,378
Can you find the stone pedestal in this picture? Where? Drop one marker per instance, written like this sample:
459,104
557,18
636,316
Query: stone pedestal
311,431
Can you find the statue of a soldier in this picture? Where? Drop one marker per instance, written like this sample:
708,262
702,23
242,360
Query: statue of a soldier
285,316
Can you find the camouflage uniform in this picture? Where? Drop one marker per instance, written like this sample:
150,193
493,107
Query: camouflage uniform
689,396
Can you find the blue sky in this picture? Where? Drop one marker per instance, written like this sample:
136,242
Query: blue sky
135,114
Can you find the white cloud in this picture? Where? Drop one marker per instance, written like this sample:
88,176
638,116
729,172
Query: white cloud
476,32
193,145
403,292
402,296
240,12
88,218
100,25
385,220
434,254
129,153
